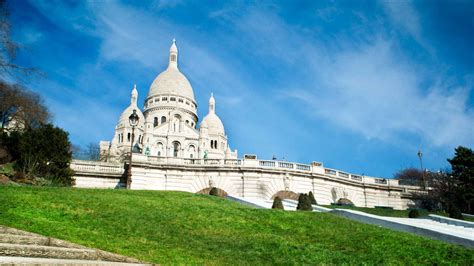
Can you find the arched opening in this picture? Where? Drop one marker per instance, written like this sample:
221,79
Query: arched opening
160,149
220,192
284,194
128,137
163,119
155,122
191,151
176,147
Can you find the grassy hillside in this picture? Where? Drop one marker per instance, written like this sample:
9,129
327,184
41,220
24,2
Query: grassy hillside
176,227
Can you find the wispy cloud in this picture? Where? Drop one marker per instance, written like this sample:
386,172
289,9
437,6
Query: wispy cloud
372,92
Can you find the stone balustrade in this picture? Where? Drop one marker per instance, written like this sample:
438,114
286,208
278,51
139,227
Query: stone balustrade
317,168
97,167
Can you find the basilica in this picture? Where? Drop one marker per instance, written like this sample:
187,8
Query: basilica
172,150
168,124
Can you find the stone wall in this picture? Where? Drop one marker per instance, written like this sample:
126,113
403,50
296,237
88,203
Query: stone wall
246,178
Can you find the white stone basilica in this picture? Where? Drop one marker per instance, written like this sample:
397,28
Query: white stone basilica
172,153
168,124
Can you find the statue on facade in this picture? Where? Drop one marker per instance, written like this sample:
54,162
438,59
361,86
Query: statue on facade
211,182
286,182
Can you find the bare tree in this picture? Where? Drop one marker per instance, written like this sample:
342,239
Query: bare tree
410,176
93,152
21,109
8,48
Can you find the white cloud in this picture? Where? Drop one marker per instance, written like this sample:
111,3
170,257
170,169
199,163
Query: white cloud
373,92
406,18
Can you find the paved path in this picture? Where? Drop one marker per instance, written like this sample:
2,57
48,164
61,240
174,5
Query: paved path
455,234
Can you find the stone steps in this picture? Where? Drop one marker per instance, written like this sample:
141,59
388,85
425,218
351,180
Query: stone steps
18,247
48,261
19,250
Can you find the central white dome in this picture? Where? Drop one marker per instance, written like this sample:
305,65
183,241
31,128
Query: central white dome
171,81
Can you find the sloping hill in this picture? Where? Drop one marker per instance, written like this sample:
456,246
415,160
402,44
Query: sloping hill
177,227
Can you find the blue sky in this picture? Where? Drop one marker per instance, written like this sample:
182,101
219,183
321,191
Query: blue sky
357,85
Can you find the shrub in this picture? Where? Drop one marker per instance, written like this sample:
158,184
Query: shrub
414,214
344,202
455,213
277,204
45,152
214,192
311,197
304,203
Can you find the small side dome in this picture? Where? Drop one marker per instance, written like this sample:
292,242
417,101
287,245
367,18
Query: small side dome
213,124
123,120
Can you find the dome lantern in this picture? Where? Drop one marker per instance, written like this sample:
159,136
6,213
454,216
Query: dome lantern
173,55
134,97
212,104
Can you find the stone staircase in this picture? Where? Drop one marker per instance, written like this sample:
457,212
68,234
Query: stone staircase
19,247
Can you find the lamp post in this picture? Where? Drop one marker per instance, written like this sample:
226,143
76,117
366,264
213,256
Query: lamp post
420,155
133,120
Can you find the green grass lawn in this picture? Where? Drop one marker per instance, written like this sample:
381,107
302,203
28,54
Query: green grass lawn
184,228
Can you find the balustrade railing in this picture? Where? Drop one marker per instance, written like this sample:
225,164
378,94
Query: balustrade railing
330,171
344,175
115,168
96,167
233,162
380,181
303,167
267,163
212,161
286,165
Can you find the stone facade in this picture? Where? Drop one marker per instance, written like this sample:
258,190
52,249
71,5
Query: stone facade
168,124
249,178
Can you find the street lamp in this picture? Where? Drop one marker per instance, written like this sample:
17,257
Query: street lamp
420,155
133,120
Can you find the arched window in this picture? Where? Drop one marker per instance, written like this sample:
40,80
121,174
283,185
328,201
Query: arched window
212,144
191,151
173,58
128,137
155,122
160,149
163,119
176,147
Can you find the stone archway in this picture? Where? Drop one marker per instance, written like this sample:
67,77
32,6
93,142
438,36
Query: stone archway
285,194
220,192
